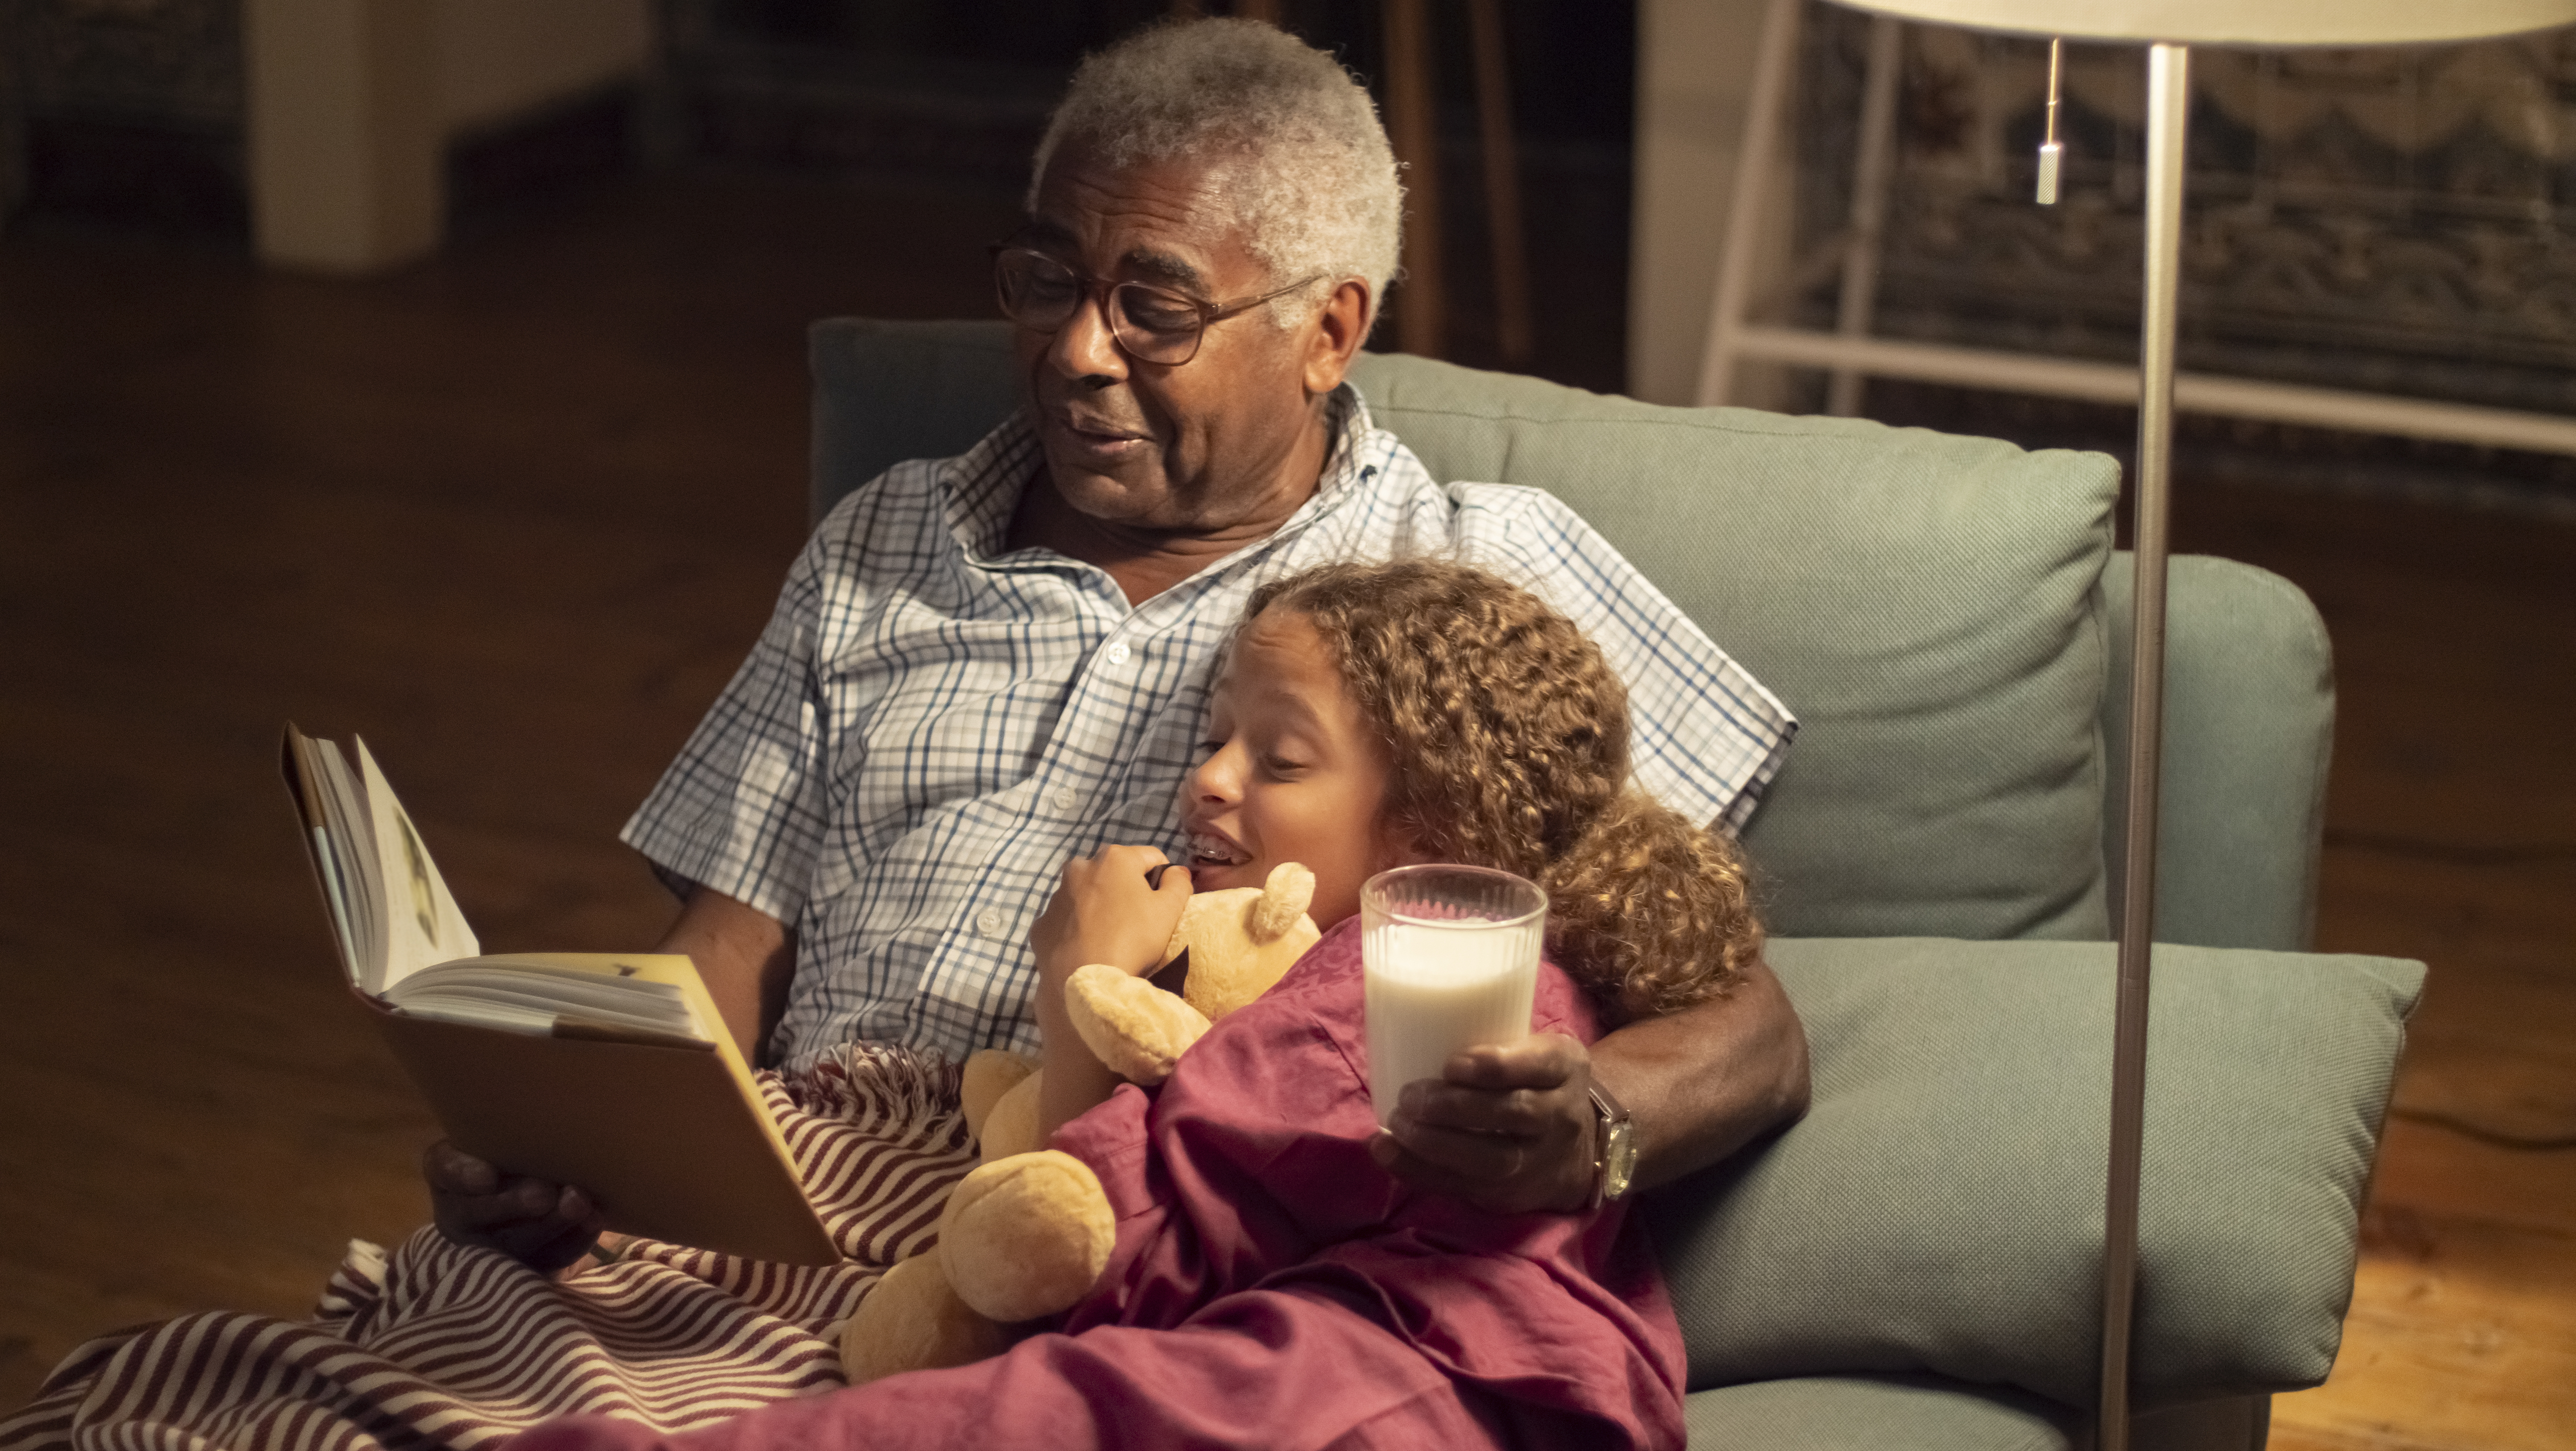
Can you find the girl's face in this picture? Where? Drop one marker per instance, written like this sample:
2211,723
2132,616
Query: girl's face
1293,773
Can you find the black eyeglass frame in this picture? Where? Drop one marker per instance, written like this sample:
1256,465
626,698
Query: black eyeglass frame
1103,293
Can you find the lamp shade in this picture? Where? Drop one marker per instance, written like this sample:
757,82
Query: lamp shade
2242,22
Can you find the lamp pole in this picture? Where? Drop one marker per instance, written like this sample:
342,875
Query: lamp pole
2168,117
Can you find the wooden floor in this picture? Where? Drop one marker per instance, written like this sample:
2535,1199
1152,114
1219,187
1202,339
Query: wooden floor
516,515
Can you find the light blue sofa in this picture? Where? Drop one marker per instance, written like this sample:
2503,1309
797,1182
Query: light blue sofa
1916,1263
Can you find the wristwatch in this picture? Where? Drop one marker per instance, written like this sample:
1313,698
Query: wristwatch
1614,1147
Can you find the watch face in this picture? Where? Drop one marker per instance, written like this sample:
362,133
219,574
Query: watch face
1618,1159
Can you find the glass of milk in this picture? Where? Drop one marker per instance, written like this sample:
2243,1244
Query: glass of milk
1449,955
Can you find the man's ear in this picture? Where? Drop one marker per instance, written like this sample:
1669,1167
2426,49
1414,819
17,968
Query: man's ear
1339,330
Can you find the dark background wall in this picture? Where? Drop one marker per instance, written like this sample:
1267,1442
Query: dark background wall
959,94
130,117
125,114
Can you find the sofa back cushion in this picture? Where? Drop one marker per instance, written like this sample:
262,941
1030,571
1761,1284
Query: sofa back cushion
1928,605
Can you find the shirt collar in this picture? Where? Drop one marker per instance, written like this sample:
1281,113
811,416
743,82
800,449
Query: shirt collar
1353,456
983,486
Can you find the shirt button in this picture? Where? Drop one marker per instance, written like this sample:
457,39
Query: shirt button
989,921
1061,798
1116,654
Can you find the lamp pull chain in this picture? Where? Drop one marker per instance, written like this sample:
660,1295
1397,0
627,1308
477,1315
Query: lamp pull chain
2049,150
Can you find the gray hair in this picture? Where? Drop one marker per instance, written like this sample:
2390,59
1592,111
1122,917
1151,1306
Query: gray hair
1294,141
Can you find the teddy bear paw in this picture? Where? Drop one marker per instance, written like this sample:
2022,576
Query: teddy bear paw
1026,1236
913,1320
1133,1027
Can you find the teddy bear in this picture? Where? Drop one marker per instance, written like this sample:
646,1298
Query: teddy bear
1029,1230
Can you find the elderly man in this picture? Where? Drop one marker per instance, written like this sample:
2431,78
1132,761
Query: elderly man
986,666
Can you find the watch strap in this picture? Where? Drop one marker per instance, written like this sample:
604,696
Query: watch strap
1609,1115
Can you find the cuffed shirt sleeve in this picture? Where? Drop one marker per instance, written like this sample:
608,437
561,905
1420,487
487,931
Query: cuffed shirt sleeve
742,810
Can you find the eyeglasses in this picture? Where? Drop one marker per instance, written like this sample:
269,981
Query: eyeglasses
1152,325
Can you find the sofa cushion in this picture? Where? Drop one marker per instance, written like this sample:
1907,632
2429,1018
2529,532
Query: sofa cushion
1872,1413
1928,606
1927,1413
1940,1207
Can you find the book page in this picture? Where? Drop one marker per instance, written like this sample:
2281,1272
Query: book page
627,1000
305,783
420,921
352,835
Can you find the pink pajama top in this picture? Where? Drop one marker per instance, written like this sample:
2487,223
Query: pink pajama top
1249,1171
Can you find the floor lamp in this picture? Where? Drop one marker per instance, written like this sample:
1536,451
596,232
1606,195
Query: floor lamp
2168,28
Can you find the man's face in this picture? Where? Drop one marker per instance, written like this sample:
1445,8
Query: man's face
1198,447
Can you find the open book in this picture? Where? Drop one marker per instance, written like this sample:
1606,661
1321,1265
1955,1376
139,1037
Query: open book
612,1071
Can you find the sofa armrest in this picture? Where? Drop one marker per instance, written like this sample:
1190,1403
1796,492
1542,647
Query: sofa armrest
1939,1208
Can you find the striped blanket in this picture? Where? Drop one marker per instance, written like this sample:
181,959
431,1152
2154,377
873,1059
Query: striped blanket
435,1345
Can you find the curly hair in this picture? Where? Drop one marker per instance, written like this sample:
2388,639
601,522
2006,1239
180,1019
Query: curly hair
1506,735
1295,142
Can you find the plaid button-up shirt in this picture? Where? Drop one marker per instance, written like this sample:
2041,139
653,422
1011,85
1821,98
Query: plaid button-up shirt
933,723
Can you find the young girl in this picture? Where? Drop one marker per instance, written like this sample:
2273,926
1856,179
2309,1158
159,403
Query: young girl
1369,717
1373,716
1271,1285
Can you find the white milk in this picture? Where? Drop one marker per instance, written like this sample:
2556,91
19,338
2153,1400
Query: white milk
1436,988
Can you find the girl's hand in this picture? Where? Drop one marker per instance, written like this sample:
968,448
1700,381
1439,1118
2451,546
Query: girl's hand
1107,912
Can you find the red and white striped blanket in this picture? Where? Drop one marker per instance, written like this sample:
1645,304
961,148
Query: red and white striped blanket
435,1345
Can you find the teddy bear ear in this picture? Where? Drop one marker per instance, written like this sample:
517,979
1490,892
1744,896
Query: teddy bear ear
1283,900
